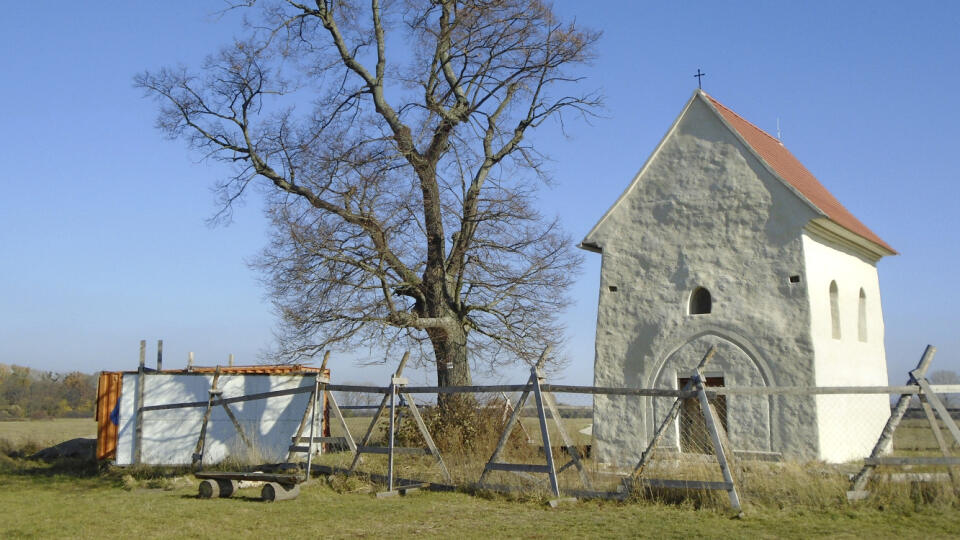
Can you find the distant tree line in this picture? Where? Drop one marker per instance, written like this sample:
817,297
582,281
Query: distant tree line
29,393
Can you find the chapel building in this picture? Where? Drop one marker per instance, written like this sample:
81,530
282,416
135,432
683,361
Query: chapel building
724,238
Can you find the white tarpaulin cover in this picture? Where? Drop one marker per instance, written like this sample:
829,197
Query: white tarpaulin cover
170,436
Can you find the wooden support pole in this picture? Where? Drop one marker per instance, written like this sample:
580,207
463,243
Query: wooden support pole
313,423
307,411
202,440
937,434
384,403
236,423
668,421
544,432
712,424
886,436
393,411
230,360
159,355
567,441
190,361
138,433
343,423
514,417
938,406
431,445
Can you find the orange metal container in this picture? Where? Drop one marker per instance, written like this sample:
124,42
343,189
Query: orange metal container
108,394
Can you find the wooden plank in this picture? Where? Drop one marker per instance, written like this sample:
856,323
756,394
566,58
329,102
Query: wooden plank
231,400
303,421
669,419
236,424
544,431
250,476
937,434
376,417
653,392
412,405
519,467
138,432
886,436
912,460
684,484
202,440
941,410
567,442
359,388
391,434
314,398
508,428
340,440
343,423
396,450
714,428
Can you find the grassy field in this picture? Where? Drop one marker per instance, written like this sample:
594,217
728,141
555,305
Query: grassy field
47,432
76,499
41,501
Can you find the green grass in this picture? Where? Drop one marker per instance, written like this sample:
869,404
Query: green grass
42,501
76,499
47,432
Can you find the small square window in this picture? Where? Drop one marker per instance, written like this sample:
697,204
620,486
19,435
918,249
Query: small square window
795,279
613,288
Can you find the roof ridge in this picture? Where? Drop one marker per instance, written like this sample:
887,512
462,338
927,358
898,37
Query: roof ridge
793,172
749,123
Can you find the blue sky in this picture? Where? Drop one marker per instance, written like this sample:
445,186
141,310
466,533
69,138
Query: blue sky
102,220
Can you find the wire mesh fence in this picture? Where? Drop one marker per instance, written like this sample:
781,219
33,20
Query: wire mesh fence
763,463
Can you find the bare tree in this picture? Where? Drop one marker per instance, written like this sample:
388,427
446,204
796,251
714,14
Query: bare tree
392,138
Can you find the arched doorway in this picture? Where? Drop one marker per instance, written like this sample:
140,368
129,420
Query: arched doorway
748,419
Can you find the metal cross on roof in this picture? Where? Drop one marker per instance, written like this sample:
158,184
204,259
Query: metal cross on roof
698,76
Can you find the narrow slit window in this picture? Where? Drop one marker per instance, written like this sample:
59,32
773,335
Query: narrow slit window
862,317
700,302
835,309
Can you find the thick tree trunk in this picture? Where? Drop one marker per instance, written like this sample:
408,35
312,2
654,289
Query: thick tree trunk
453,368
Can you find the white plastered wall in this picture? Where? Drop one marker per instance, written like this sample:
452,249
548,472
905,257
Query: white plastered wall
847,425
703,212
170,436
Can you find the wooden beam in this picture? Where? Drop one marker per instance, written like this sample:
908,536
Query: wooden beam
343,423
138,432
938,405
714,427
202,440
238,399
567,442
518,467
376,417
683,484
886,436
912,460
544,431
669,419
937,434
511,422
426,435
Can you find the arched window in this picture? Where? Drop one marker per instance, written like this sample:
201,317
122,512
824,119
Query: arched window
835,309
862,318
700,302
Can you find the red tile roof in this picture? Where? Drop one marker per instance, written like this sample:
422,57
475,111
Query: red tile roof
784,164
